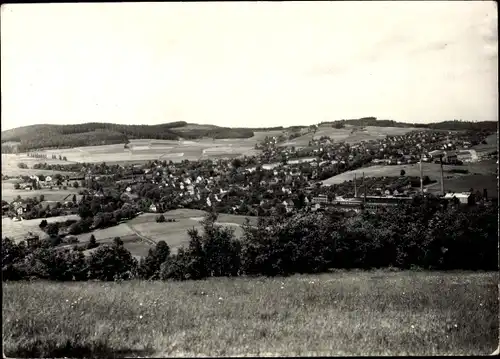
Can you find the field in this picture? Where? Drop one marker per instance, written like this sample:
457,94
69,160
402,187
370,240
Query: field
10,162
175,233
150,149
346,134
340,313
9,193
17,231
145,150
481,174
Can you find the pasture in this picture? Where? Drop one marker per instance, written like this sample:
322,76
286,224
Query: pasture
349,134
433,170
150,149
175,233
10,165
9,193
342,313
18,231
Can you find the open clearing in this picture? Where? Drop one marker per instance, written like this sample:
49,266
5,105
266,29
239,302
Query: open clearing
18,231
9,193
337,314
433,170
10,162
175,233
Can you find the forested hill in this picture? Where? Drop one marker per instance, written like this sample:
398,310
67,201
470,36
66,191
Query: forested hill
93,134
455,125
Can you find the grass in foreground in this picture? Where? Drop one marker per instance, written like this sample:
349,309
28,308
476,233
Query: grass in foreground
344,313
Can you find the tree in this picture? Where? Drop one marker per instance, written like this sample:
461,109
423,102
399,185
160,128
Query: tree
17,185
92,242
160,218
22,165
402,173
111,263
117,241
74,198
52,229
43,224
42,198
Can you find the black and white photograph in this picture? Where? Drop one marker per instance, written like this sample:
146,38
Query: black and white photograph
249,179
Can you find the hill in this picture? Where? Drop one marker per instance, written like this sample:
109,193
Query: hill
454,125
23,139
93,134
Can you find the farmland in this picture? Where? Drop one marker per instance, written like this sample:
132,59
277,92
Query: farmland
10,165
349,134
18,230
142,150
9,193
149,149
484,169
340,313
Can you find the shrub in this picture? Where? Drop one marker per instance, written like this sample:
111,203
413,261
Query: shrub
17,185
43,224
160,219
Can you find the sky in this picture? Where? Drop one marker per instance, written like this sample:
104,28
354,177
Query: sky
253,64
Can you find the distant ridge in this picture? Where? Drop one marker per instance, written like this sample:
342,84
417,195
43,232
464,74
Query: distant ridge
94,133
455,125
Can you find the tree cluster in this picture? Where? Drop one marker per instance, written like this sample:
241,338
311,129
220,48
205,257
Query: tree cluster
428,233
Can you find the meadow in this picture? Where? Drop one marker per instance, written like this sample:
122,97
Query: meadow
340,313
349,134
150,149
138,234
18,231
9,193
484,170
10,165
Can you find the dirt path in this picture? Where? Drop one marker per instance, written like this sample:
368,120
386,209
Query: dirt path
145,239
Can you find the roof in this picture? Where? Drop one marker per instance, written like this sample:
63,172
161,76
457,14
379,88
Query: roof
457,195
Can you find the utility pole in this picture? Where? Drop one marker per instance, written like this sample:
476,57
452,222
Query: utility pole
364,188
421,176
355,187
442,175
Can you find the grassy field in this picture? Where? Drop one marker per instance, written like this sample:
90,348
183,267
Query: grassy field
145,149
433,170
149,149
175,233
17,231
349,134
341,313
10,162
9,193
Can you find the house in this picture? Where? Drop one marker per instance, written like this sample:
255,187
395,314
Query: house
463,197
436,153
450,157
153,208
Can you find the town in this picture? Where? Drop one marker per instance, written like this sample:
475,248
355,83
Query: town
254,186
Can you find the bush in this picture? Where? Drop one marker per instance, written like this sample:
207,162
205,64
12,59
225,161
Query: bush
17,185
43,224
160,218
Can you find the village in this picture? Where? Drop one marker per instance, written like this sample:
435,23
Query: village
254,186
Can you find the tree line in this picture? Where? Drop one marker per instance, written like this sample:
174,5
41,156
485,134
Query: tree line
428,234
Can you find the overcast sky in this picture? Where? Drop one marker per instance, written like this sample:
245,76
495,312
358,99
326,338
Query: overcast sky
248,64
